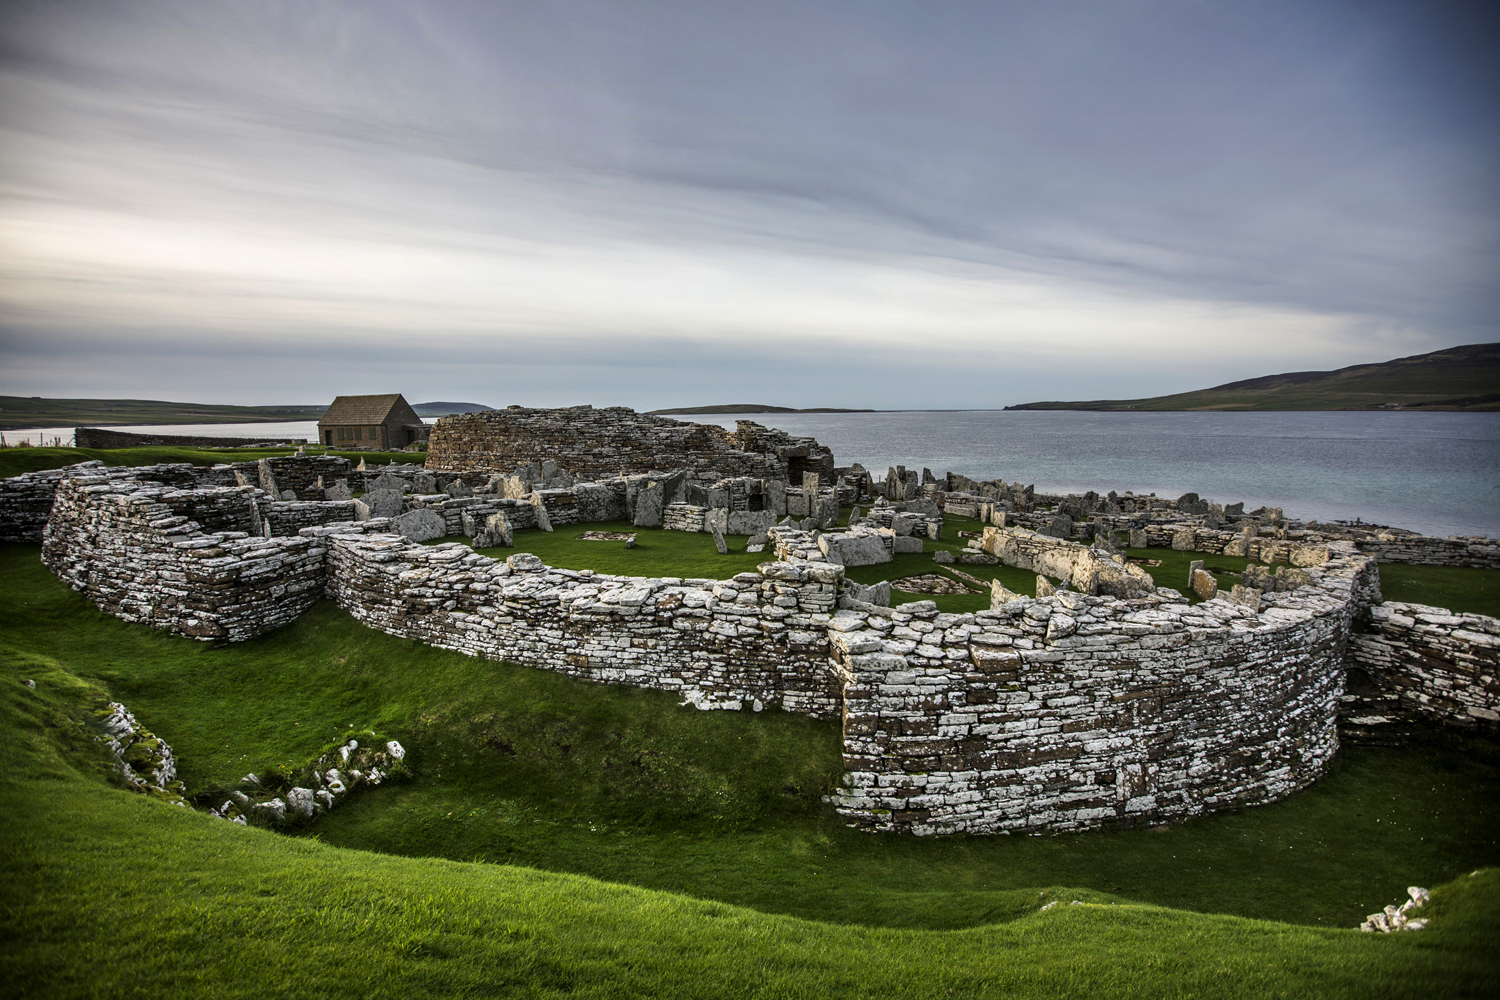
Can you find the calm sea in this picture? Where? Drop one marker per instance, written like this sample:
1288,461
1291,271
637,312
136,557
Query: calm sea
1437,473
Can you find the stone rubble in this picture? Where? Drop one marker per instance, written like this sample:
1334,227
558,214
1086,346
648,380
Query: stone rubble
1394,918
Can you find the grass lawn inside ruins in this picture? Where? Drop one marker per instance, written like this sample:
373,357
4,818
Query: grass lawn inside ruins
722,869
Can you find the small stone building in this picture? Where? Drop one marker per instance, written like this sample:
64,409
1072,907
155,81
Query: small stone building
380,423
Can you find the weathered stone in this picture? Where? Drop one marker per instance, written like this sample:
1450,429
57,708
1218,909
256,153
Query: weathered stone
384,503
857,548
338,491
386,481
907,545
749,522
878,594
543,519
1244,596
943,556
1138,538
497,526
1060,526
1001,595
458,488
719,539
420,525
775,497
1184,540
649,502
1044,587
1203,584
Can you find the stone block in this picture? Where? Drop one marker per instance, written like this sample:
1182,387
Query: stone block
907,544
421,525
1203,584
386,481
384,503
1001,595
878,594
497,526
942,556
718,538
1138,539
862,549
775,494
458,488
649,502
1247,596
1060,526
1184,540
424,483
749,522
543,521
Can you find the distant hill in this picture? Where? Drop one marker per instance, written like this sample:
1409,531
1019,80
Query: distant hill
1459,378
21,412
446,409
754,408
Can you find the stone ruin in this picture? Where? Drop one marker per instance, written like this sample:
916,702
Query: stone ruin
600,444
1113,702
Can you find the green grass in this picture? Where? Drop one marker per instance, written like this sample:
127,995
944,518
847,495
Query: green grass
723,870
720,863
1457,588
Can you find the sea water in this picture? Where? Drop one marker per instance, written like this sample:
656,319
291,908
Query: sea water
1438,473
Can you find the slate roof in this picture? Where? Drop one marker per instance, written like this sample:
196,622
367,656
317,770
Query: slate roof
360,409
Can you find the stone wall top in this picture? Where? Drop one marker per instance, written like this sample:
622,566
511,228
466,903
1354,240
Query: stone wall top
598,444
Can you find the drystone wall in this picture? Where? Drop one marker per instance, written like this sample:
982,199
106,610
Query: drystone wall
179,560
600,444
1440,665
1059,713
1074,711
756,640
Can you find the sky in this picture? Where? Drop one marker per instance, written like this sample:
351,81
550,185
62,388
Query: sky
653,204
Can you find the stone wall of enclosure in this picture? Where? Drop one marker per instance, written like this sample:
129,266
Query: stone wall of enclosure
1075,711
1441,665
180,560
755,640
600,444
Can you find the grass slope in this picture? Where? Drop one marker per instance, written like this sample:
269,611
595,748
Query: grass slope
1459,378
525,767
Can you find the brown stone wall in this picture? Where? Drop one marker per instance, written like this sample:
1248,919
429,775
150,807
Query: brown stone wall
598,444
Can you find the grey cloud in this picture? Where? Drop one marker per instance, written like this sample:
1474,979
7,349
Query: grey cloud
1334,158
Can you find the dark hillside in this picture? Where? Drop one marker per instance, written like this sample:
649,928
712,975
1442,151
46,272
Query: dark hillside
1458,378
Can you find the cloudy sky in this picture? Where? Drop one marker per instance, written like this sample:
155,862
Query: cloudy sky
878,204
